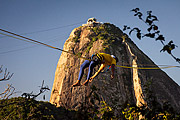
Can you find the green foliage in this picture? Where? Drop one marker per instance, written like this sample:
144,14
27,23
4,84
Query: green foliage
106,112
131,112
79,54
77,35
26,109
22,108
106,32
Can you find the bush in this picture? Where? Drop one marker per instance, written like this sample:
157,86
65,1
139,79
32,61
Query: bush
22,109
77,35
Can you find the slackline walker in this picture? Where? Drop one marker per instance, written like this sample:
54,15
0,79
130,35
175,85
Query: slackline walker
44,44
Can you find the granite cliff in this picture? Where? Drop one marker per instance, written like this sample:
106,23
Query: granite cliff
128,86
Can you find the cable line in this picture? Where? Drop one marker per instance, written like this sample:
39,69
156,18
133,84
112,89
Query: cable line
36,42
54,28
148,68
50,29
10,51
15,50
41,43
53,39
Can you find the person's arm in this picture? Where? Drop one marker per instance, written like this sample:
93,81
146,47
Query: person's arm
112,69
100,69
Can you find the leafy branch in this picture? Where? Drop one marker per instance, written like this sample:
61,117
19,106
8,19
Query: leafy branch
152,32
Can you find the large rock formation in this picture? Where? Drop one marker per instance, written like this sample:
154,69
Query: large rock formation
128,86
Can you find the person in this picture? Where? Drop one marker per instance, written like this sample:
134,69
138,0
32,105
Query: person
99,58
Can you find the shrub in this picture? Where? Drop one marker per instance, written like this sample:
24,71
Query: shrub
77,35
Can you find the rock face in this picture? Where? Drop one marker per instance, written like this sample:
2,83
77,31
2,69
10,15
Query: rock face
128,86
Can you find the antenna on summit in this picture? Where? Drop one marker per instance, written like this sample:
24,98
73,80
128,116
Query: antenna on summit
92,22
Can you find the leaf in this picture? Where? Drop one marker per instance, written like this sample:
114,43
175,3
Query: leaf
157,32
155,27
177,59
149,29
169,47
135,10
150,18
151,35
172,46
138,35
137,29
139,14
166,48
160,37
126,27
134,29
131,31
138,32
170,43
149,22
149,13
154,18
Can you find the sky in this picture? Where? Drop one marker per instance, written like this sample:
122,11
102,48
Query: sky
51,22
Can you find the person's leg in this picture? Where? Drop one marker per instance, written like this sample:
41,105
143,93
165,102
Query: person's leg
91,66
81,72
82,67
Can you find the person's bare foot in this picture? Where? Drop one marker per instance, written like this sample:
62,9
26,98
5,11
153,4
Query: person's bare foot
86,83
76,84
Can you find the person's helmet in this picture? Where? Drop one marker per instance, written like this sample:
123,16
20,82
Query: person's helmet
100,57
115,58
97,58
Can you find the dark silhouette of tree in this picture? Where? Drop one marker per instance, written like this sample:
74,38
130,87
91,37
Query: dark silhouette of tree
152,31
33,96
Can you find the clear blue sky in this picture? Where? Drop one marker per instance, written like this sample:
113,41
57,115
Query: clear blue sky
31,64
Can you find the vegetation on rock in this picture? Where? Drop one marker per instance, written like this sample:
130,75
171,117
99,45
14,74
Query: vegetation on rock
77,35
106,32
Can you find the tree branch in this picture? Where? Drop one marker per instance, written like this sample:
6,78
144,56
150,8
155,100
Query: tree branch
42,90
153,31
7,75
